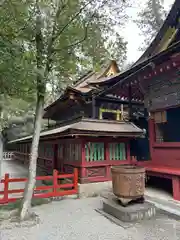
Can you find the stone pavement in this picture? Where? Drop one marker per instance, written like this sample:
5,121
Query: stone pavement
14,168
72,219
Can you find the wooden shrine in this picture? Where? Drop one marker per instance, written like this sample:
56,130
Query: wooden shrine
101,119
91,145
154,80
91,133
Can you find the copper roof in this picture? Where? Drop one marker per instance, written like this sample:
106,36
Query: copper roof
104,79
90,126
94,77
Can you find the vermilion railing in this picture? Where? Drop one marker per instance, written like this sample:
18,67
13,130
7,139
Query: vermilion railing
54,190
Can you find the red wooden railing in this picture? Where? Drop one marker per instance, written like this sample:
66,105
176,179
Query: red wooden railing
57,189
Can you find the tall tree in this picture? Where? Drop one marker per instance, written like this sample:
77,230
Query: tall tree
59,36
150,20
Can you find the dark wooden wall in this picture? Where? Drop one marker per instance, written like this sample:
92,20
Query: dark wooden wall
163,91
85,109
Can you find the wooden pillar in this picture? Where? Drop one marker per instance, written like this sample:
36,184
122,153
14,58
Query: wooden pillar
107,160
130,101
176,188
83,162
55,160
63,156
93,107
128,153
151,136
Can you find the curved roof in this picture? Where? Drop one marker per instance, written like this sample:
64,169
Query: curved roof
165,41
90,127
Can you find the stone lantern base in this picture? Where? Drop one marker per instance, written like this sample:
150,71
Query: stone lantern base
131,213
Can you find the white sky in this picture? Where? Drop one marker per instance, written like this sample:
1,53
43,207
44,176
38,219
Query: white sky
131,33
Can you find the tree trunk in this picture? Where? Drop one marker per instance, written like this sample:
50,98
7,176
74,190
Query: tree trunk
1,153
29,188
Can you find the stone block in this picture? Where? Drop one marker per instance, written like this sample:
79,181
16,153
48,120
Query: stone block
131,213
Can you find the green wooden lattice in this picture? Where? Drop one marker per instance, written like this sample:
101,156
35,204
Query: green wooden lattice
94,151
117,151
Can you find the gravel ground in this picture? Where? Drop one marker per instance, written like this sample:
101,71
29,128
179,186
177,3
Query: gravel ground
72,219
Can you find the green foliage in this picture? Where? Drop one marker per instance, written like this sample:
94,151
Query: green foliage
12,110
83,33
16,64
150,20
96,29
23,125
75,36
16,75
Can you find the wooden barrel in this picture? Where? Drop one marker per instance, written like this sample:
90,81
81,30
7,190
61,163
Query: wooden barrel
128,182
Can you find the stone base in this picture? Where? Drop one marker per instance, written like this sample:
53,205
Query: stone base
118,222
131,213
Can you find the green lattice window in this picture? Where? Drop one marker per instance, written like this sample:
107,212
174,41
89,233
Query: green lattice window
117,151
94,151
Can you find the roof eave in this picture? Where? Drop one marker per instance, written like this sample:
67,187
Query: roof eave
136,69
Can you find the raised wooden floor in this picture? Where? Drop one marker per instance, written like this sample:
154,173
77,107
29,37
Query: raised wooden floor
164,171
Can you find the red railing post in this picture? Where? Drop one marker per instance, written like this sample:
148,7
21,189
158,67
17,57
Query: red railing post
76,179
55,180
6,187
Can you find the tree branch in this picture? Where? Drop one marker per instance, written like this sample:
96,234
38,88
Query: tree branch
74,44
52,38
71,20
81,40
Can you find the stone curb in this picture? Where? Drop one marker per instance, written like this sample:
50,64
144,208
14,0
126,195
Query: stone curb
166,209
162,207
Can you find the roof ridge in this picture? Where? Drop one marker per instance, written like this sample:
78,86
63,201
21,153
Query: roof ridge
105,121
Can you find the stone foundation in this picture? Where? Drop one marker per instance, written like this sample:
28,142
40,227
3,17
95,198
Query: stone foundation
132,213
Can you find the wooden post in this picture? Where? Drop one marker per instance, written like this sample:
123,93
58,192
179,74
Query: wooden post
55,160
55,181
83,161
176,188
93,107
151,135
130,101
6,187
76,179
128,153
107,160
122,112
